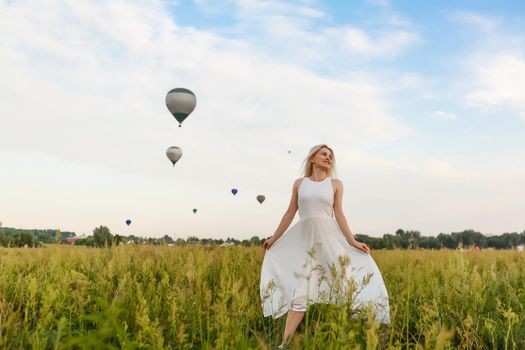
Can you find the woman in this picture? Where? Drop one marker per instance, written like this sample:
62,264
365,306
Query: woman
318,260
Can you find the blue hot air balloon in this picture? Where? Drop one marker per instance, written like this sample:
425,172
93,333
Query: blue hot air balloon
128,222
194,210
234,191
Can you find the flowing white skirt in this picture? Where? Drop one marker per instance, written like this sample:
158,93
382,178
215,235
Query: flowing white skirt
313,263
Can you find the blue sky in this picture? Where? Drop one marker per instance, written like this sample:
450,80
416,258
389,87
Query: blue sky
424,103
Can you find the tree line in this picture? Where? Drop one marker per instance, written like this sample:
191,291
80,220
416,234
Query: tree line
401,239
14,237
411,239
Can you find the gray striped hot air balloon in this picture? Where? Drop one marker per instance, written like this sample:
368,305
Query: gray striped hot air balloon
174,153
181,102
260,198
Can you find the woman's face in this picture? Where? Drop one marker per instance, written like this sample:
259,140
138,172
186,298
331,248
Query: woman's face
323,158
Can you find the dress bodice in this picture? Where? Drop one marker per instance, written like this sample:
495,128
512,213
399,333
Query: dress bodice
316,199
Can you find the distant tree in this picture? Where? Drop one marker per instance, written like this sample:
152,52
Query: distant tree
206,241
153,241
192,239
429,243
88,241
58,237
102,236
23,239
402,238
133,239
447,241
499,242
45,237
413,238
510,240
167,240
118,239
232,240
4,238
408,239
468,238
390,241
255,240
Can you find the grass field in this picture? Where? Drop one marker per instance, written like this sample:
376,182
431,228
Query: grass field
191,297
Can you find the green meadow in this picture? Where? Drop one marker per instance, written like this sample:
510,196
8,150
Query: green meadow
197,297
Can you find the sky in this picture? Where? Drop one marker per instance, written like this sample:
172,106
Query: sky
422,102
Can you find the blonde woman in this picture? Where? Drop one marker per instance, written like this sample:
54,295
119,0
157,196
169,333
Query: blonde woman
299,264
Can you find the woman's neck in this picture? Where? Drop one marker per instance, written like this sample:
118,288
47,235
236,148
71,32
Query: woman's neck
318,174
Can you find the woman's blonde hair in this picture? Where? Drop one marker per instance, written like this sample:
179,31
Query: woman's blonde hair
308,165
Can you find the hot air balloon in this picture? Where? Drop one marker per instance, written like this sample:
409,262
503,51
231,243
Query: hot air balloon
261,198
289,152
194,210
128,222
174,153
234,191
181,102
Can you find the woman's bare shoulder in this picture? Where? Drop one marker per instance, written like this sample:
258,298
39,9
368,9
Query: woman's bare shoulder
337,183
298,182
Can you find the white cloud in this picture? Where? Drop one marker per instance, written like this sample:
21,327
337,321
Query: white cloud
499,82
444,115
301,33
425,168
496,63
261,9
479,22
389,44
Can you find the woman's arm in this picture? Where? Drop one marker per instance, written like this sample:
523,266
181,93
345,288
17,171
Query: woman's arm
341,219
287,217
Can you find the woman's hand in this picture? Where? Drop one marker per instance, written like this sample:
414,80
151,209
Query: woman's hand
361,246
268,243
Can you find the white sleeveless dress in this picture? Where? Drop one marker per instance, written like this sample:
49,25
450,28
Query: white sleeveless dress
300,268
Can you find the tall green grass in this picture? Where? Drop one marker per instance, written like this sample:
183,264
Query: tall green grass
139,297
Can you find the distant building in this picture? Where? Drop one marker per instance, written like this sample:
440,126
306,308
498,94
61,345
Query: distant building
520,248
73,239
